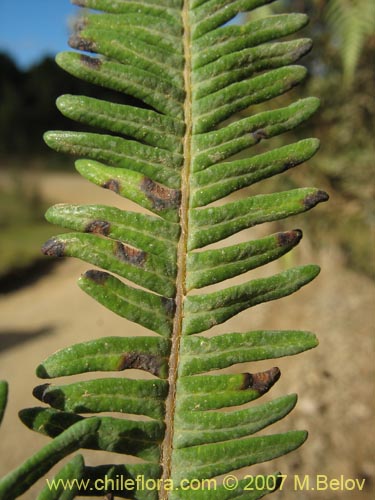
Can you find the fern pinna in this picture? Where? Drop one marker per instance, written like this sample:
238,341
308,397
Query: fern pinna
174,155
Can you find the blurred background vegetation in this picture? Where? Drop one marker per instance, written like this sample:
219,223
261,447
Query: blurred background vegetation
342,71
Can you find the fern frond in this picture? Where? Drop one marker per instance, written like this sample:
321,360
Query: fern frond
173,154
351,22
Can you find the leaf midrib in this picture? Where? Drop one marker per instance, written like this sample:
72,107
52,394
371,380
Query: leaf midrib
166,455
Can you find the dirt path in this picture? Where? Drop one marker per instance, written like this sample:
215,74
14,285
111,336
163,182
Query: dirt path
334,382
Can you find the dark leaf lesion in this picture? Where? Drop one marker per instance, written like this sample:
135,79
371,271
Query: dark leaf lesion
98,227
261,381
288,238
141,361
130,255
112,185
79,43
160,196
313,199
98,277
54,248
91,62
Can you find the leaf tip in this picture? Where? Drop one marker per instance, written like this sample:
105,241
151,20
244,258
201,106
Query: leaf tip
41,372
311,271
39,392
54,248
288,238
312,104
63,103
47,137
301,19
314,198
261,381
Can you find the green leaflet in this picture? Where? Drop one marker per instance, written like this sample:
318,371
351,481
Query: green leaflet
206,16
215,459
141,24
120,476
210,392
141,397
20,479
199,354
231,39
73,469
144,125
143,190
152,311
241,492
173,153
209,225
160,94
109,354
245,63
207,427
213,266
223,179
100,147
3,398
206,310
148,233
138,438
146,270
217,107
212,148
127,49
117,7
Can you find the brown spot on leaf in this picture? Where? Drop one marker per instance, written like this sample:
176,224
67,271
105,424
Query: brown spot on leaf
160,196
288,238
80,43
169,306
91,62
130,255
99,277
146,362
262,381
98,227
260,134
54,248
313,199
112,185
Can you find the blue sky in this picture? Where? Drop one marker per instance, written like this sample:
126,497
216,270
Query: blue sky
31,29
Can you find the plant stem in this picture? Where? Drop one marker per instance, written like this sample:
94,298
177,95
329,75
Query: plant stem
181,260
